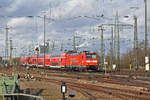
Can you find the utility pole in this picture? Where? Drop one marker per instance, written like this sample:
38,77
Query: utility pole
74,44
53,45
102,44
117,40
61,49
44,39
6,44
50,10
11,48
118,35
111,44
146,30
15,52
115,36
135,42
146,40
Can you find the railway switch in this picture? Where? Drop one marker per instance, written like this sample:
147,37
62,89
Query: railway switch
71,94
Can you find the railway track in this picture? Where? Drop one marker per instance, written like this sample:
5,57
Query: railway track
122,94
113,79
108,90
76,88
85,93
132,72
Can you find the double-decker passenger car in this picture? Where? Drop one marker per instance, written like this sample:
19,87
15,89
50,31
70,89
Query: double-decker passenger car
69,60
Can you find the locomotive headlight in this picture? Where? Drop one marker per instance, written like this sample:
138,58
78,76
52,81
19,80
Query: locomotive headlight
91,61
88,61
95,61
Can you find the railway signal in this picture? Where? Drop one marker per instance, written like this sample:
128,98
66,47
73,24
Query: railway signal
37,53
63,90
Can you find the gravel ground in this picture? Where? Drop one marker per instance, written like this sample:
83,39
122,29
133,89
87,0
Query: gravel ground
49,91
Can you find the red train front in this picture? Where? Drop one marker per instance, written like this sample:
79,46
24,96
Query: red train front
83,60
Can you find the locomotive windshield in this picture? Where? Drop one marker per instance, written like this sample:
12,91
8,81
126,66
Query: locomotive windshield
91,56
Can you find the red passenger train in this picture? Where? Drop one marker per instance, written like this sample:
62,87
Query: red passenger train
69,60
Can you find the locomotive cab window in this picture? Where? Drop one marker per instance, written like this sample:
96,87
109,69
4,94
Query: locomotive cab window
91,56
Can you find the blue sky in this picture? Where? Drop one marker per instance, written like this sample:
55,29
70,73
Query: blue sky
27,32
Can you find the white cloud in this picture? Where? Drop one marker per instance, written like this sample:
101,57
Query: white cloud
73,8
15,22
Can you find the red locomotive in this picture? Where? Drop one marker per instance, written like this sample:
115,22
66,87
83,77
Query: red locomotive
69,60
